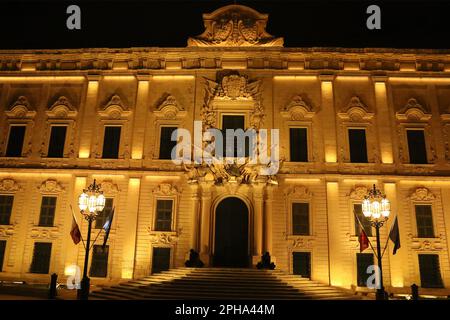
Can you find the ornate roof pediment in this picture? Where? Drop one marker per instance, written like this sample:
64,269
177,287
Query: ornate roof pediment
298,109
115,109
62,108
169,108
356,111
21,109
413,111
234,26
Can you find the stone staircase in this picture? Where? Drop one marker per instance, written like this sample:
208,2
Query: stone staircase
222,283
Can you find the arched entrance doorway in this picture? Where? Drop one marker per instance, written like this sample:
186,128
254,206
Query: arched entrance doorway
231,234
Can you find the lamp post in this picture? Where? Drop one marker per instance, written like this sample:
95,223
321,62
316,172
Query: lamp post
377,208
91,202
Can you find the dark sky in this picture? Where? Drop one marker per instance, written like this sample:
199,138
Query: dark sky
405,24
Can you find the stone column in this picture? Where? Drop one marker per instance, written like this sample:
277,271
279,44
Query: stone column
195,217
258,221
140,118
89,117
383,120
446,212
328,116
129,228
268,205
205,224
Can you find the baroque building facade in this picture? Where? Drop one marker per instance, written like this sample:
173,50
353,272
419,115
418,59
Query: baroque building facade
348,119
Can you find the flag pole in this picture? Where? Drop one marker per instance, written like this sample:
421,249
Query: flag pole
387,240
96,238
362,227
81,236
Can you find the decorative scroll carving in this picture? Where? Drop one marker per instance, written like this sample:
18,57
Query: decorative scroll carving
50,186
21,109
169,108
108,187
166,189
422,194
235,25
45,233
9,185
115,109
356,111
62,108
302,243
430,244
413,111
299,192
298,109
358,193
163,238
6,230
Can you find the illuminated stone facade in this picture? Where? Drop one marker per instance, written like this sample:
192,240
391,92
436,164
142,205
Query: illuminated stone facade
325,90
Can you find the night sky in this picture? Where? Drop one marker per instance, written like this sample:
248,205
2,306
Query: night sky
118,24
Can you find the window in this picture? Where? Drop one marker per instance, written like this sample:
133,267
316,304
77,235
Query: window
424,220
430,271
2,253
111,142
104,215
6,203
298,139
57,142
160,260
417,147
358,145
301,264
363,261
99,264
300,218
364,221
48,206
166,144
41,257
163,215
234,122
15,141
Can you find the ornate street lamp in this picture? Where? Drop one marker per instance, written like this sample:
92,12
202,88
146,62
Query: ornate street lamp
91,202
377,208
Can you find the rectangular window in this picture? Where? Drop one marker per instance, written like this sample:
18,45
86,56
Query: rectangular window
104,215
57,142
424,219
300,218
99,264
6,203
165,143
417,147
363,261
298,144
234,122
358,145
2,253
430,271
47,216
160,259
15,141
163,215
41,257
111,142
301,264
364,221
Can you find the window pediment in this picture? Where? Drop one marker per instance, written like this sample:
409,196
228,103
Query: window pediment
166,189
299,193
413,111
356,111
21,109
169,108
9,185
62,108
298,109
422,194
115,109
51,186
358,193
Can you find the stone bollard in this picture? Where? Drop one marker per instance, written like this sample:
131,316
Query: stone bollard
415,292
52,289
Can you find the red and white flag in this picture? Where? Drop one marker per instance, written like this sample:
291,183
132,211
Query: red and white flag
75,230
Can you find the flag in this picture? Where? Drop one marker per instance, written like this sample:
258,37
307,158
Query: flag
107,227
394,235
363,240
75,230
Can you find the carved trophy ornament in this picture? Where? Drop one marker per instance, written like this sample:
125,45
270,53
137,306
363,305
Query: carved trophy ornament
235,25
